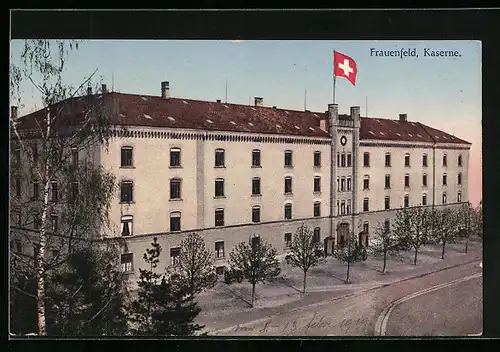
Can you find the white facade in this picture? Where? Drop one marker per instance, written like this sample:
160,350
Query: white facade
341,183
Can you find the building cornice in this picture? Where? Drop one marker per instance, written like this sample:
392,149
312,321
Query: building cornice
394,144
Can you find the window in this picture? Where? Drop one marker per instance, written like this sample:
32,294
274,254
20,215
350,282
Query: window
256,158
175,188
349,183
74,192
444,180
219,249
407,160
288,185
424,160
288,158
349,159
444,198
175,157
424,199
424,180
256,213
288,211
288,240
34,152
348,211
126,157
366,227
36,190
255,241
219,217
460,160
459,178
126,192
459,197
387,226
220,270
445,160
17,218
175,221
127,228
175,254
17,157
338,159
219,187
338,184
256,186
342,184
317,209
407,180
387,203
366,182
387,159
366,205
366,159
74,157
18,246
316,235
342,160
387,181
55,192
317,184
18,186
338,207
219,158
407,201
54,223
317,159
342,207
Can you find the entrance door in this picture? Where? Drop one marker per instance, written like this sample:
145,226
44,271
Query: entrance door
328,245
342,233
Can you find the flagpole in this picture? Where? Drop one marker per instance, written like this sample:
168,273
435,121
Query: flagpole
334,81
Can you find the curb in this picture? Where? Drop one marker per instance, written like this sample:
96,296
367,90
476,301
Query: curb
357,293
383,318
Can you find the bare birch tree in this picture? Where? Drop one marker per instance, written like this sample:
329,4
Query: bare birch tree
446,224
45,149
384,244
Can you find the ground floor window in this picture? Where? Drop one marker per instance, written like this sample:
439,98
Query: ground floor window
126,260
175,254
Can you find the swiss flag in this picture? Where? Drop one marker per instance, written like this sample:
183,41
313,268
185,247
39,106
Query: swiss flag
344,66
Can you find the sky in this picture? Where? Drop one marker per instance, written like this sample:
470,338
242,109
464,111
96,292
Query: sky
442,92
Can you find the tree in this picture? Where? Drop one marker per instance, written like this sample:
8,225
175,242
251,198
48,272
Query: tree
413,228
141,310
87,295
42,143
348,253
305,252
446,225
257,260
176,308
195,266
477,220
384,244
165,304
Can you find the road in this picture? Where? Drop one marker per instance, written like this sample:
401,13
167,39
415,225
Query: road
357,315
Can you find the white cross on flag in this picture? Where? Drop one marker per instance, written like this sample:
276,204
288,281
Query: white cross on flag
345,67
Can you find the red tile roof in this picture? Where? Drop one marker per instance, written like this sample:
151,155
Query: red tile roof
154,111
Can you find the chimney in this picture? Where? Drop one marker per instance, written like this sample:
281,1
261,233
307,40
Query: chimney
13,112
403,117
355,112
218,100
274,107
104,89
165,90
89,90
259,101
